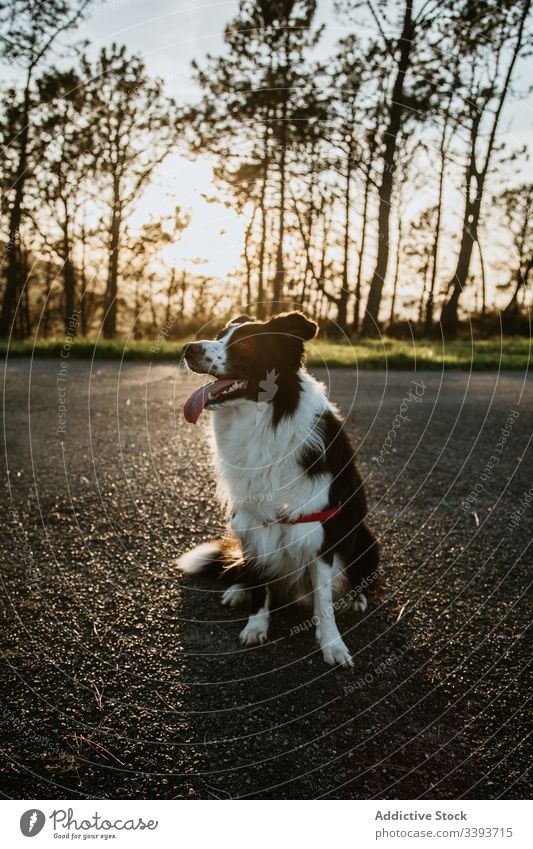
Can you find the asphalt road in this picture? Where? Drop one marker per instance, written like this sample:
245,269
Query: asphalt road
119,679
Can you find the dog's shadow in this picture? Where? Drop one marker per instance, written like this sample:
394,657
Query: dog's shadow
272,714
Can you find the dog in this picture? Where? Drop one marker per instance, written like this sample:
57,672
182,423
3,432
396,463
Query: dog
287,477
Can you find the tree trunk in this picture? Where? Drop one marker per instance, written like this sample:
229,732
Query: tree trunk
424,289
26,322
277,293
306,230
10,293
110,317
397,106
521,278
137,329
183,293
362,246
449,317
18,319
324,309
483,281
303,295
396,272
248,263
170,294
428,323
342,303
261,306
152,304
84,296
525,263
69,280
48,281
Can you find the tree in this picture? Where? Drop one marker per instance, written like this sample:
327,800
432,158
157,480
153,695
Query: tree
314,214
401,53
407,184
447,128
63,155
135,126
486,39
369,145
346,118
293,98
10,128
419,249
29,30
259,99
146,264
517,207
414,77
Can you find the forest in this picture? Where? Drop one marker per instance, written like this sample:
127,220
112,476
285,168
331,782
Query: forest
377,183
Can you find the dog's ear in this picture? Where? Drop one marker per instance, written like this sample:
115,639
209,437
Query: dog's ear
294,324
239,319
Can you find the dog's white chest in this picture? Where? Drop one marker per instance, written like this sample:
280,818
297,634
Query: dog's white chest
260,466
262,478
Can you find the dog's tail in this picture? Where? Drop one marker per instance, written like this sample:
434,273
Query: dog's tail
212,558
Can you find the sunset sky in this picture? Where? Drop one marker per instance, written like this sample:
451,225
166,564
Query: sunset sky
169,34
169,38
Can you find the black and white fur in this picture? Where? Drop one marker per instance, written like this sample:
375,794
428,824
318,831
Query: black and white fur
285,456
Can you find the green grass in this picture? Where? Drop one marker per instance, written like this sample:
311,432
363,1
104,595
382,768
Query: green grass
508,353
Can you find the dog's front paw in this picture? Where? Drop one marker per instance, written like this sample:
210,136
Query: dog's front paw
235,596
336,653
255,633
360,603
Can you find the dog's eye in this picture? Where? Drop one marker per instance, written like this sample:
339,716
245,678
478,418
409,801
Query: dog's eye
243,346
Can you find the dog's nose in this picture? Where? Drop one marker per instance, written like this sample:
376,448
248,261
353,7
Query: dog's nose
192,349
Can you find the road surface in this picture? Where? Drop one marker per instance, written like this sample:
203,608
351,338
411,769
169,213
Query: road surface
120,679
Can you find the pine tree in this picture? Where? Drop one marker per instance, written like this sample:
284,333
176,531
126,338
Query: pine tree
258,102
134,126
29,31
62,157
485,35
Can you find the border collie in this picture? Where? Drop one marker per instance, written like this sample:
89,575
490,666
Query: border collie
288,478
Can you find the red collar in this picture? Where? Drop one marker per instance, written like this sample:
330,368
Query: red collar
310,517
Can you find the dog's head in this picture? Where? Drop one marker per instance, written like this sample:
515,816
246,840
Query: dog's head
247,359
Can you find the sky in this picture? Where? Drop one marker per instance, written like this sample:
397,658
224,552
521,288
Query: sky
169,34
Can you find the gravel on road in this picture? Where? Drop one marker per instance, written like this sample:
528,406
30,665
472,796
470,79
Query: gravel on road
121,679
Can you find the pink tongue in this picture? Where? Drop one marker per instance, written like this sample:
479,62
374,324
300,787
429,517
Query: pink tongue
196,403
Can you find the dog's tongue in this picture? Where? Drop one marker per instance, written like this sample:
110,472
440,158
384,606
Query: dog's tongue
197,401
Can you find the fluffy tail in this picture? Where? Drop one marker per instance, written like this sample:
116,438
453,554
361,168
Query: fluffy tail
212,558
